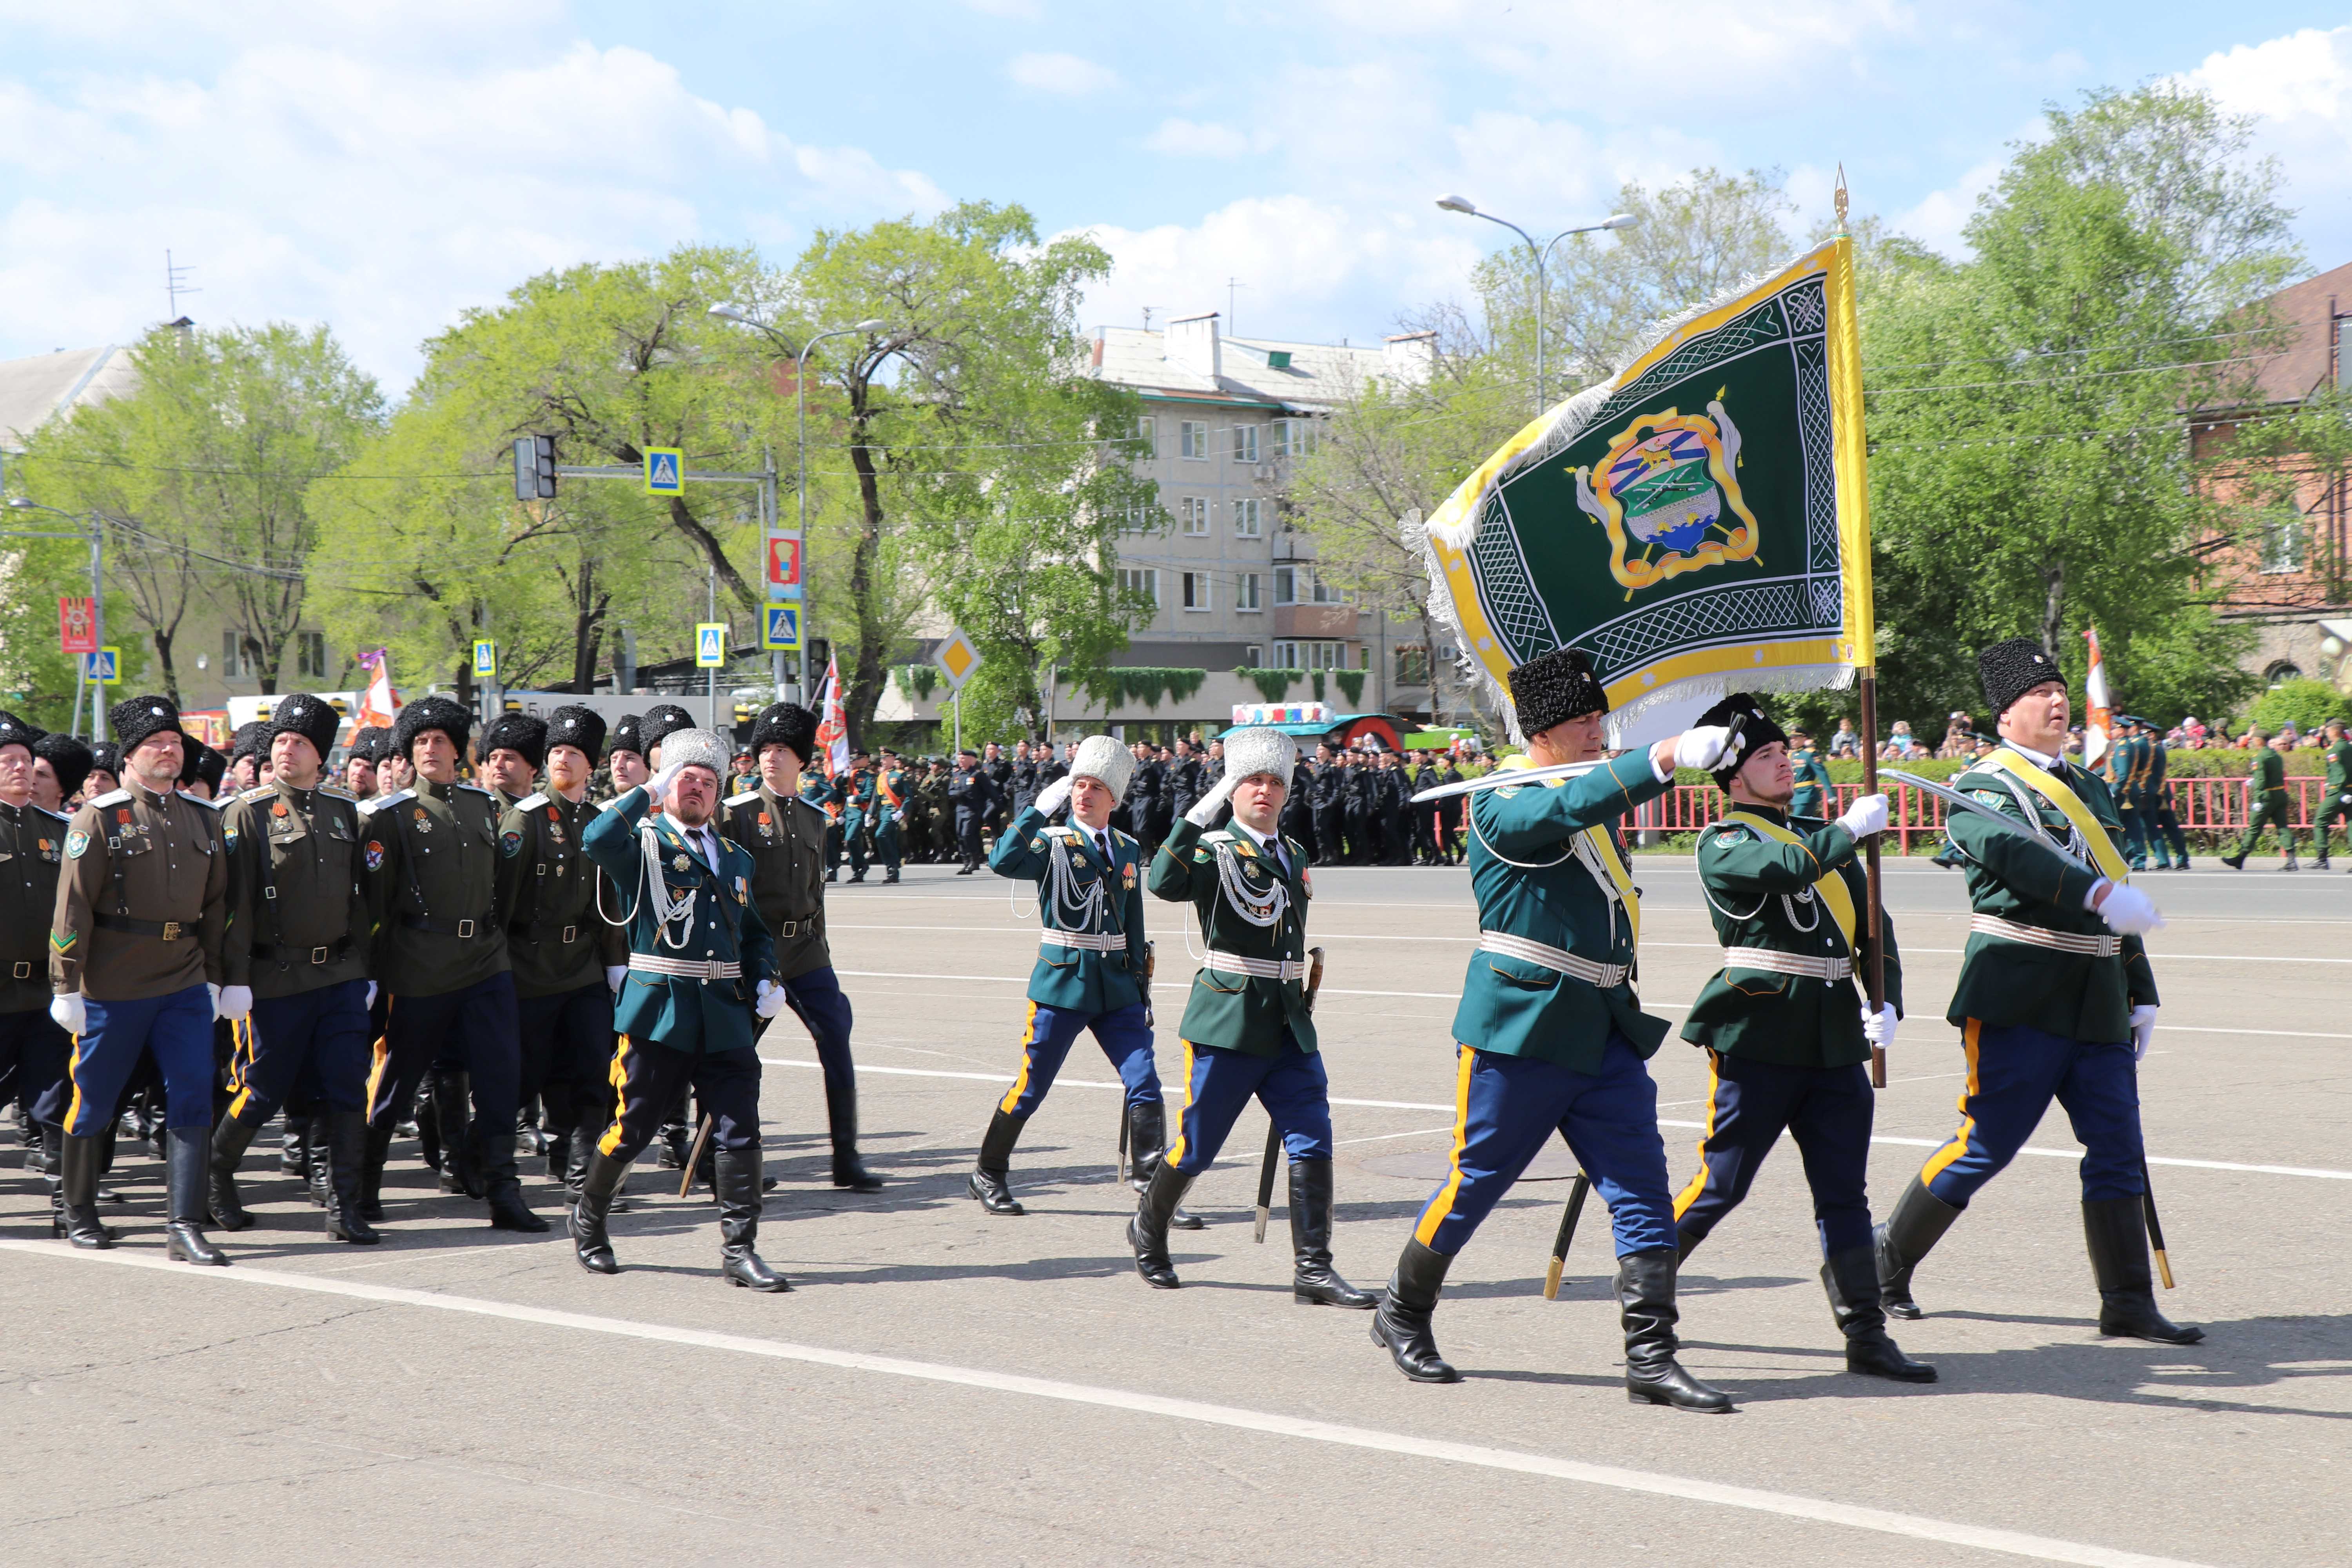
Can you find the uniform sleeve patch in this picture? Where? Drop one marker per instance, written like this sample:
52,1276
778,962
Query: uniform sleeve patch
63,941
374,855
510,842
1728,840
76,842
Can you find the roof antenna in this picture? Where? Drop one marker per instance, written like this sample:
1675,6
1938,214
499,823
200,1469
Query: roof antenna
176,283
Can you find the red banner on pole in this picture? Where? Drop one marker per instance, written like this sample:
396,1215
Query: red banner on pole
77,625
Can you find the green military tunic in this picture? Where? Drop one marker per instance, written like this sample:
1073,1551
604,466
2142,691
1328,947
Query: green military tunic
1079,895
1231,1010
298,918
1814,791
142,905
1767,898
431,858
786,839
32,849
557,939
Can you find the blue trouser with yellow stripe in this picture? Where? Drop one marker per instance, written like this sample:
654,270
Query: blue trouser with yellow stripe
1827,1110
1291,1085
474,1027
1124,1035
177,1027
650,1076
2014,1072
1506,1108
325,1030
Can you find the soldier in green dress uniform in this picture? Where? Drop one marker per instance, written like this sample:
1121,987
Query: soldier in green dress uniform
2266,802
1786,1030
1814,792
2336,797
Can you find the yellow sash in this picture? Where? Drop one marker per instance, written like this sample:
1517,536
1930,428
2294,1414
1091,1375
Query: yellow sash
2054,790
1831,889
1599,855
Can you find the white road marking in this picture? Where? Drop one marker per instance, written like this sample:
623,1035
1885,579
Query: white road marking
1701,1126
1789,1504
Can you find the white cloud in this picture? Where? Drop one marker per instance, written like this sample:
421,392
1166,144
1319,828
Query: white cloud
2299,89
1936,219
1065,76
1193,139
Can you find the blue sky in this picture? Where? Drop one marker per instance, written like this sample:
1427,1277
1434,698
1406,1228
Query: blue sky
382,167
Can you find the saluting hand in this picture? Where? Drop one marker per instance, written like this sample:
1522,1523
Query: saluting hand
1053,796
1205,811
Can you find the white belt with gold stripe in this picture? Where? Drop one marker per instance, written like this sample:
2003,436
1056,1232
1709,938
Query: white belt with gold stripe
1608,976
1256,968
684,968
1091,941
1774,963
2040,936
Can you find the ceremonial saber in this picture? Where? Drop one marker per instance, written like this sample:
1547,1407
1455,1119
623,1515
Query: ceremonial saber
1575,1192
2155,1225
694,1157
1266,1173
1502,777
2000,819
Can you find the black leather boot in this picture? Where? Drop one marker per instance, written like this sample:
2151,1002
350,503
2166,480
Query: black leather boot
187,1163
321,1156
503,1187
841,1115
78,1194
293,1145
590,1243
460,1170
738,1224
1851,1277
1917,1222
555,1143
989,1182
1686,1243
106,1141
372,1164
678,1143
1645,1300
230,1140
422,1126
1314,1282
1147,1231
1403,1322
2115,1232
346,1134
1147,1140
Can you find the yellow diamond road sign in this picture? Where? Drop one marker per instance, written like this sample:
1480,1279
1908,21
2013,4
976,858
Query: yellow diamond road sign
957,659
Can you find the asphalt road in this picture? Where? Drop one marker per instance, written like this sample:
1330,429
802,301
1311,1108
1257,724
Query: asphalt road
946,1387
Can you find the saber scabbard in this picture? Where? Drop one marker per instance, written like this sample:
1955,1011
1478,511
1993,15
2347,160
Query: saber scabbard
1265,1174
2155,1227
1576,1193
694,1159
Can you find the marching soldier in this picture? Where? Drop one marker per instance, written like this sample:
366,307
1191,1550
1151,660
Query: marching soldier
1814,792
886,807
512,747
1093,968
854,791
1249,1027
567,960
625,757
60,765
440,953
2163,823
662,719
295,961
1787,1034
700,979
360,760
105,774
1551,1033
2336,797
785,835
2056,999
32,1048
972,793
246,744
135,955
2266,802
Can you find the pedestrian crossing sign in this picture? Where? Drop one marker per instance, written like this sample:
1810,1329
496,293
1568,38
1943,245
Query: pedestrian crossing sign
665,471
781,633
710,645
486,658
104,666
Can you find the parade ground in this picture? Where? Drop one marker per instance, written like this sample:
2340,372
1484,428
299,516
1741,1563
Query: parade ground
942,1386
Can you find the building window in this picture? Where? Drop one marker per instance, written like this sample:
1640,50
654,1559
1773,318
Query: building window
1139,519
1246,591
239,657
1285,585
1293,437
1244,443
2281,672
1305,654
310,653
1143,580
2283,541
1147,436
1245,519
1193,439
1196,590
1194,510
1412,664
1254,655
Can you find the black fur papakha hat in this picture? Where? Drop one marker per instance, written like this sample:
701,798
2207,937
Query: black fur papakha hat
583,728
430,713
660,721
518,733
312,718
203,765
785,724
1757,731
628,735
67,758
134,720
1553,687
2011,669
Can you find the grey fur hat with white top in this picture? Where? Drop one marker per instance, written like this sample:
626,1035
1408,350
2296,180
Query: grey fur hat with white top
1100,757
1252,751
695,748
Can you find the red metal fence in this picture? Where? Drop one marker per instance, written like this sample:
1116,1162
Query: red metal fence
2214,805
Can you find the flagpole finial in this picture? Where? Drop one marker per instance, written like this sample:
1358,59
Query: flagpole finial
1840,198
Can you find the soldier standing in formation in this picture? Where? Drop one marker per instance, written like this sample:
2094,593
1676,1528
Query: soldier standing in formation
1814,793
2336,796
1787,1034
700,979
512,746
2266,802
887,809
624,754
1093,968
61,764
784,836
33,1048
2156,805
1551,1035
972,794
135,960
2056,999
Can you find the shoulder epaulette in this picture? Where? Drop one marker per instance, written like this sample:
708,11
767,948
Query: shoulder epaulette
258,792
1218,835
380,801
748,795
337,791
60,816
532,801
475,788
111,797
212,805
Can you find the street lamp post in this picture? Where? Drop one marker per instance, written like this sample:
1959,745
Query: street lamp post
97,537
1464,204
736,313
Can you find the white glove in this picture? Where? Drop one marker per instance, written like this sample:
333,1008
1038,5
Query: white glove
2126,909
69,1012
1053,796
615,974
1205,811
1701,748
2143,1026
1878,1027
658,786
370,1001
214,992
1865,816
233,1002
769,1000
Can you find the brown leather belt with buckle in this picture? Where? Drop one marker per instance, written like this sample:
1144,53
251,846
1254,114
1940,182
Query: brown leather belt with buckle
22,970
462,930
170,930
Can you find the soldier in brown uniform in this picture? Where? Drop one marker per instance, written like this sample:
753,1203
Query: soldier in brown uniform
512,746
360,760
787,837
60,764
134,953
625,760
440,953
566,958
296,961
32,1048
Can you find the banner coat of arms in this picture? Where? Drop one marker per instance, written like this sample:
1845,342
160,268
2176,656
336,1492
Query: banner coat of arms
1698,524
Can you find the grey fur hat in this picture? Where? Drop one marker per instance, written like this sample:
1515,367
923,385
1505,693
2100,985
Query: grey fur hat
697,748
1100,757
1249,753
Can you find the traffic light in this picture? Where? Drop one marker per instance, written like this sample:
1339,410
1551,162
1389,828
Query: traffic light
535,468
